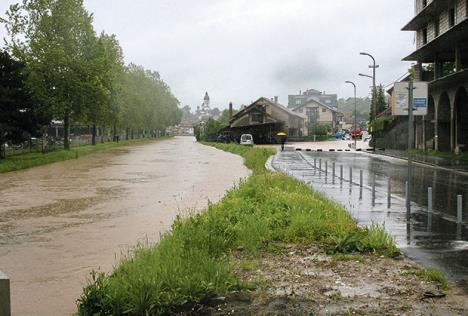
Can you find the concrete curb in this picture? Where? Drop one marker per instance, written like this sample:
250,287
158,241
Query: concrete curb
423,163
269,164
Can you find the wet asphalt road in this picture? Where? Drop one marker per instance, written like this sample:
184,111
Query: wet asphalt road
58,222
434,240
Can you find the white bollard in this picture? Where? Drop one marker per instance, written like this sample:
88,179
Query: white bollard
5,307
333,172
320,165
429,200
389,193
459,209
373,189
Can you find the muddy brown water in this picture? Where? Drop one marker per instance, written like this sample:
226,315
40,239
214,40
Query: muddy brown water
58,222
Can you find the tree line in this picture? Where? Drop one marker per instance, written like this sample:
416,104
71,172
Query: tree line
56,67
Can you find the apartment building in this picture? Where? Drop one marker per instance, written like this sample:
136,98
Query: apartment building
441,56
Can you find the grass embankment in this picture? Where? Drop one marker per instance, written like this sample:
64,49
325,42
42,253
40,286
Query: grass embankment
29,160
193,262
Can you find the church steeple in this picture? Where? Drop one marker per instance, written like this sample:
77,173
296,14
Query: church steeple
207,97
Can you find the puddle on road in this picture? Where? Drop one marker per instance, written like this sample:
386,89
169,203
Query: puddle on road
58,222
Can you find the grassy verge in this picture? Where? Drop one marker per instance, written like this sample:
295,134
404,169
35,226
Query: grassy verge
29,160
193,262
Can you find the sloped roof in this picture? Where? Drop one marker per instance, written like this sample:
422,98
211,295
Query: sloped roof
319,103
264,100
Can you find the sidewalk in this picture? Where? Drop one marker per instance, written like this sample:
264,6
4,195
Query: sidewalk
446,163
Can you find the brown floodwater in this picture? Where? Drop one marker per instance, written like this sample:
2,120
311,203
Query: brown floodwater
58,222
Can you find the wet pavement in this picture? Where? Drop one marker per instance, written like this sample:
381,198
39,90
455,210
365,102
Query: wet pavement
448,163
432,239
58,222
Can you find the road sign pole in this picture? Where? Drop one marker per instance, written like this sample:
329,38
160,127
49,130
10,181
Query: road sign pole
410,147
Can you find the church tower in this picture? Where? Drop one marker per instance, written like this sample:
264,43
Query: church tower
205,111
206,103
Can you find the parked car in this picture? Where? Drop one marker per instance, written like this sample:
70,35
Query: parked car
223,139
247,139
339,135
357,133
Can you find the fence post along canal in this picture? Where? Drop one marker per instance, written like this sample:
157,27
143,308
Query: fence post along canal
5,307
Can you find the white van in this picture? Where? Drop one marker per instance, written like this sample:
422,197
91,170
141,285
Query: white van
247,139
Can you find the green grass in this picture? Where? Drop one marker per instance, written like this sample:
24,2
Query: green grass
194,261
434,275
29,160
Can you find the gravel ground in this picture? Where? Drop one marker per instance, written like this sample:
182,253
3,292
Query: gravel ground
306,281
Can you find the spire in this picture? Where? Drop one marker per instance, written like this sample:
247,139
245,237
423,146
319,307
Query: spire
206,96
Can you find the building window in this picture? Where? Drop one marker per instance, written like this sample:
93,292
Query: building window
452,17
437,28
298,102
424,36
424,3
324,110
257,118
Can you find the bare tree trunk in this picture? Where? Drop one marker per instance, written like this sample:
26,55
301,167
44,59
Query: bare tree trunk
66,131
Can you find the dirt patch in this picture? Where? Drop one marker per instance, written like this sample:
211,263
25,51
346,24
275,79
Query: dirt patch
307,281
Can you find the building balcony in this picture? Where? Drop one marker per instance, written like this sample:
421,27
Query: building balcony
449,80
426,15
442,46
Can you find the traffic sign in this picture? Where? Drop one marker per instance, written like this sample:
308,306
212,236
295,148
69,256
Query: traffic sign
401,95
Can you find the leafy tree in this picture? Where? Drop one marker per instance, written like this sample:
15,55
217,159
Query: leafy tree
381,100
362,104
208,131
55,39
224,116
321,129
20,115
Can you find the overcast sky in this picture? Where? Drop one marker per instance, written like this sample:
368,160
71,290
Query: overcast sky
239,50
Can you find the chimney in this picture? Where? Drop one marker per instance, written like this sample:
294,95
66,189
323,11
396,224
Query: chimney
300,92
276,99
230,110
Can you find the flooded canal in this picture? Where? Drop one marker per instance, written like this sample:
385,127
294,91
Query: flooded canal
432,239
58,222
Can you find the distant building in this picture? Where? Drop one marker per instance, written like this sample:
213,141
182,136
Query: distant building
315,112
263,119
296,100
185,128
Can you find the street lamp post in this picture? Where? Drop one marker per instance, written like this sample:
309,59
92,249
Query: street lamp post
374,67
355,113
